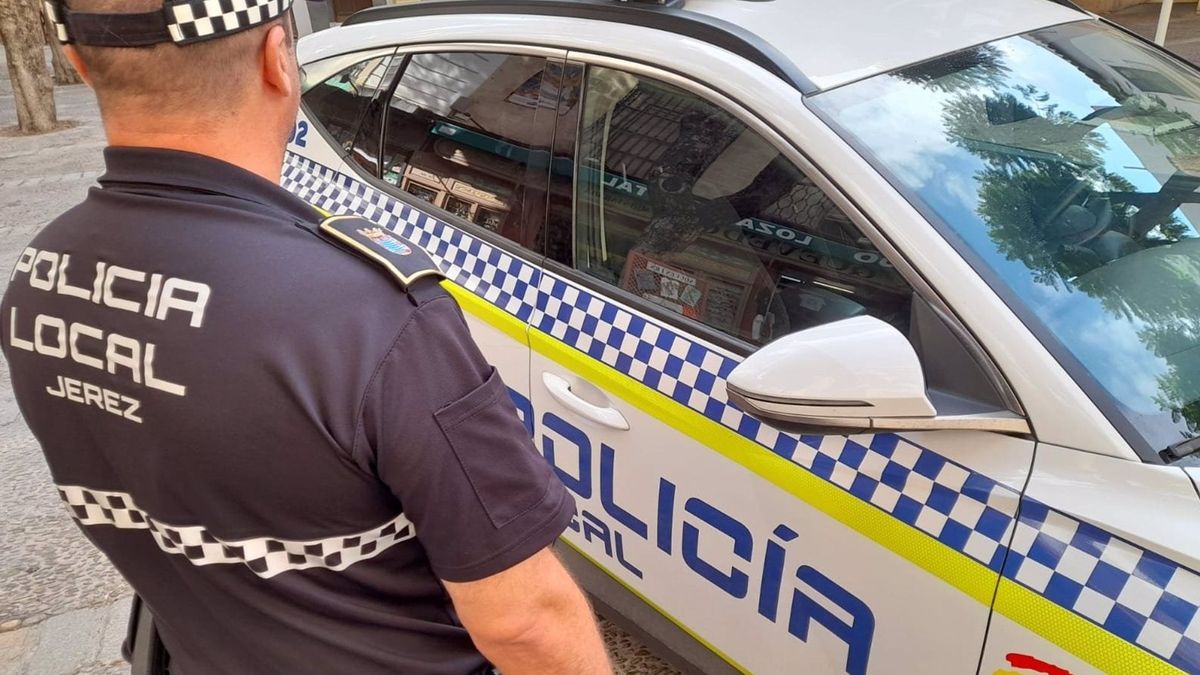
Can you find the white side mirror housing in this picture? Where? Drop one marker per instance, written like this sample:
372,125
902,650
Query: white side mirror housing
850,375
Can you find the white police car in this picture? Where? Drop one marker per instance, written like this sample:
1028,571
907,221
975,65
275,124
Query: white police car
865,333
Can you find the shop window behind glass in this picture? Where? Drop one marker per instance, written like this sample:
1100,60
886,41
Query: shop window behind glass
678,203
346,106
470,133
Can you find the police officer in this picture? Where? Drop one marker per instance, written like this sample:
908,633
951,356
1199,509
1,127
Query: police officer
279,431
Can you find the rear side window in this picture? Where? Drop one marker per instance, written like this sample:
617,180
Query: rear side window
681,205
346,106
469,132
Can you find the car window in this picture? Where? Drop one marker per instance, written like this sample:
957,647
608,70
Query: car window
680,204
470,132
1065,165
345,105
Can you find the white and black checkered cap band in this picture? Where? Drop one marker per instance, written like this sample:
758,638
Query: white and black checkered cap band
265,556
179,21
196,20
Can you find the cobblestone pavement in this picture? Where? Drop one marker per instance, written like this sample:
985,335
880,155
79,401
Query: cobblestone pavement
58,595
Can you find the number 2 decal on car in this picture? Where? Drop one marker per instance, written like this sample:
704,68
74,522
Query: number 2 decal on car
300,134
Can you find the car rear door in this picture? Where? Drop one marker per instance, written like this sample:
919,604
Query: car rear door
696,234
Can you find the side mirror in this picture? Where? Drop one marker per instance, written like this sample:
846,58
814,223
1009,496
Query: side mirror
850,376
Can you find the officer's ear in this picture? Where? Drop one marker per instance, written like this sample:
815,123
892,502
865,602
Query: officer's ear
279,62
73,57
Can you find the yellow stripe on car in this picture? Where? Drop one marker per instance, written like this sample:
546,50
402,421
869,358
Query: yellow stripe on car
1056,624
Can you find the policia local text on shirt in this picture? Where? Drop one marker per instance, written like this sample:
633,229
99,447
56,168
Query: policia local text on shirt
54,337
280,431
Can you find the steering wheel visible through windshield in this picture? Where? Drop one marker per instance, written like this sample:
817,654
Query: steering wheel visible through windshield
1064,165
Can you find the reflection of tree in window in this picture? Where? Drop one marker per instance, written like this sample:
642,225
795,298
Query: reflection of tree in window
1050,201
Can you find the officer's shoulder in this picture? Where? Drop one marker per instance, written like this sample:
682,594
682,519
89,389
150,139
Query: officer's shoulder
405,262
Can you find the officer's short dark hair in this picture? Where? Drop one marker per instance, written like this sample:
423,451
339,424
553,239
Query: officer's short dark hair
201,77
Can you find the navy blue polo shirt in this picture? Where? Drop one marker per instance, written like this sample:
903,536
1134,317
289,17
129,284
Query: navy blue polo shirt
281,450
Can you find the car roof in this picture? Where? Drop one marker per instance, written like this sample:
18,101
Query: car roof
809,44
833,42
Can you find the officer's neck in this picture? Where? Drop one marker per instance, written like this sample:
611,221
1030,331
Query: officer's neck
256,153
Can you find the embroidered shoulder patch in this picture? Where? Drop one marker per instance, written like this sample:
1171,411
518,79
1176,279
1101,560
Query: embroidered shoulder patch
404,261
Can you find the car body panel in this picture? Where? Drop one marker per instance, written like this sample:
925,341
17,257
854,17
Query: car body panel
1102,564
836,43
897,534
1057,408
927,591
854,507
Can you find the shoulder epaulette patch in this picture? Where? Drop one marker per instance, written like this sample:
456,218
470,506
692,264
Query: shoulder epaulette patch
404,261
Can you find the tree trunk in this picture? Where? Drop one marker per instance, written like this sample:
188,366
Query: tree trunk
64,72
33,90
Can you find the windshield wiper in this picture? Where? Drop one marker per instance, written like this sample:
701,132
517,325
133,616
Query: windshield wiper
1181,449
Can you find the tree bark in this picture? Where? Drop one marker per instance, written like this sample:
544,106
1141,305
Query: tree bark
64,72
33,89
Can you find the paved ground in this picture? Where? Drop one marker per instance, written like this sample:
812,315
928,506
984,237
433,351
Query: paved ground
62,607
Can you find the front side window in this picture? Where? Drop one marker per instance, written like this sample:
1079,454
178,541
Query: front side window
680,204
346,106
1064,164
470,132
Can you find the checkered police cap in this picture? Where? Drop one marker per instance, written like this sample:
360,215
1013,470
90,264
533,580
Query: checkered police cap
179,21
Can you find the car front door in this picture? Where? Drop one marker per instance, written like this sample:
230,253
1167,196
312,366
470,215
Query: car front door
687,236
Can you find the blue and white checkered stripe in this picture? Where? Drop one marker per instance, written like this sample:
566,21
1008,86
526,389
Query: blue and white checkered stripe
963,509
1135,594
490,272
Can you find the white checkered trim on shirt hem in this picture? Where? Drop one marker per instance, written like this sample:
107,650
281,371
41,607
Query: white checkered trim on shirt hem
265,556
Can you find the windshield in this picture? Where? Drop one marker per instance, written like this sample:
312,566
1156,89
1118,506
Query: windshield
1064,165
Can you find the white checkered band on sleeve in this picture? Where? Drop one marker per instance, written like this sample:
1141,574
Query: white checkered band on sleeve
265,556
196,20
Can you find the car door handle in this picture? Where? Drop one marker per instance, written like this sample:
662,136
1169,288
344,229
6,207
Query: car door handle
560,389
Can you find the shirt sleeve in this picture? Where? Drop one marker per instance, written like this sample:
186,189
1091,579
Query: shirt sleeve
440,430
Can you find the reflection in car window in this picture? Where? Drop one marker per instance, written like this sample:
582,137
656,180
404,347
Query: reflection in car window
345,106
680,204
1065,162
469,132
